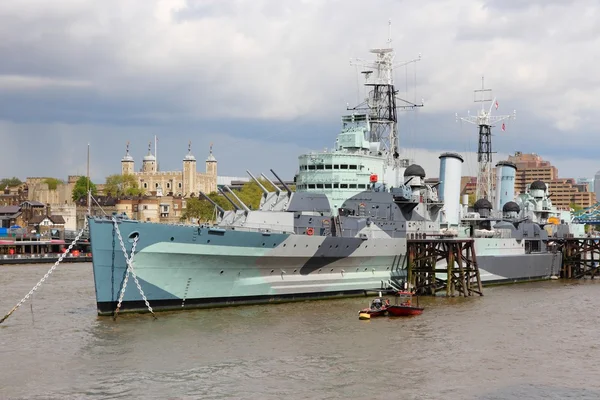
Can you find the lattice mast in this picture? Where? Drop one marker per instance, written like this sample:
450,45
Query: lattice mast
382,99
485,121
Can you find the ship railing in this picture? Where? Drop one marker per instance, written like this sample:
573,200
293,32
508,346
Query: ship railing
41,256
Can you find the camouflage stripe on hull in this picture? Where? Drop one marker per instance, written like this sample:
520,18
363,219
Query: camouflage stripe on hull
197,267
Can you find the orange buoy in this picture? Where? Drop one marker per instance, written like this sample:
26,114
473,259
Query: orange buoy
310,231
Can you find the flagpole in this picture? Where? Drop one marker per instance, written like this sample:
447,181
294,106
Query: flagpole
89,191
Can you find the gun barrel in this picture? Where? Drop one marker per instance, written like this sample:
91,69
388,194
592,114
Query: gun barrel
229,200
211,201
238,199
265,191
272,184
282,183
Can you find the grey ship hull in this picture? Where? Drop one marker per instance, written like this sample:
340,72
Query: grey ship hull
181,266
516,268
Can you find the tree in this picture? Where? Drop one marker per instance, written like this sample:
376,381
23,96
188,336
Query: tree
81,187
576,207
202,209
52,183
122,185
472,199
10,182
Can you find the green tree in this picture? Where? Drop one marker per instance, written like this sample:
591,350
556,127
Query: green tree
472,199
10,182
122,185
52,183
202,209
576,207
81,187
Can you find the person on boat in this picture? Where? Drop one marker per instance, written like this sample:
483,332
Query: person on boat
376,304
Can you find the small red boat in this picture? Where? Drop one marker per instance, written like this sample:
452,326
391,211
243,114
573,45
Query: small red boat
378,307
403,306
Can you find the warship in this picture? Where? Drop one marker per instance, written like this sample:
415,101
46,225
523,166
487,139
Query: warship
343,231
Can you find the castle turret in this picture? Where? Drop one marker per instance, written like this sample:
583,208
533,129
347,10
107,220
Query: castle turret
127,163
189,173
149,161
211,172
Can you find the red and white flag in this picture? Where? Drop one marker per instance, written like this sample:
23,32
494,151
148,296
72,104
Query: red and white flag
503,127
496,104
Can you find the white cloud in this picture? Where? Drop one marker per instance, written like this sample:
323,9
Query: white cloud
160,61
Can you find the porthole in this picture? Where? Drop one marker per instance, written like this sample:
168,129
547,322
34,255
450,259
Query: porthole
133,236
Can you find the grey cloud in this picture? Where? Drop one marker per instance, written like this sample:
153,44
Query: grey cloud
276,76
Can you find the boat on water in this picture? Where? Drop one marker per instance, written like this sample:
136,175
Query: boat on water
343,232
403,306
377,308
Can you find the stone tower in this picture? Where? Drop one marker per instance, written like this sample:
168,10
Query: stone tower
127,163
189,173
149,162
211,164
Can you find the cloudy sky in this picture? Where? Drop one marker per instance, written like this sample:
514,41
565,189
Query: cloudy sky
268,80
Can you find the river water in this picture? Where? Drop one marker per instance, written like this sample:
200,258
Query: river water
526,341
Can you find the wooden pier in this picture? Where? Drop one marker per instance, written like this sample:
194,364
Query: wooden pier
580,256
460,270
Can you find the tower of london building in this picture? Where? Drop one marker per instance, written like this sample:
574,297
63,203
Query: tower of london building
186,182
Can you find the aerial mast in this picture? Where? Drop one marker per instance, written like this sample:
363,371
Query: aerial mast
381,101
485,121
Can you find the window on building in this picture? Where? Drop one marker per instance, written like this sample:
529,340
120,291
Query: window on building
145,185
180,185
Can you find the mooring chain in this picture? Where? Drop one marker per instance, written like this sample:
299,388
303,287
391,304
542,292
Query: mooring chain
50,271
129,261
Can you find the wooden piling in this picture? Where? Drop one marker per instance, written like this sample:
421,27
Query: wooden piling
575,263
460,275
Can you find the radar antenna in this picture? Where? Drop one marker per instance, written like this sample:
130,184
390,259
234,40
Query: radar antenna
382,101
485,121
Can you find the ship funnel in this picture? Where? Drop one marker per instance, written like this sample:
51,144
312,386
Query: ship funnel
272,184
282,183
505,183
449,191
238,199
211,201
265,191
235,206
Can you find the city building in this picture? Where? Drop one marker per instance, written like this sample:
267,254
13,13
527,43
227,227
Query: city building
564,191
185,183
597,185
589,182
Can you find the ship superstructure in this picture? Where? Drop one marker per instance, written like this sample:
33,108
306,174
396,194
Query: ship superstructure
366,151
510,232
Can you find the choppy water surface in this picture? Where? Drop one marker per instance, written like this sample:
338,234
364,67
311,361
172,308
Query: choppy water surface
527,341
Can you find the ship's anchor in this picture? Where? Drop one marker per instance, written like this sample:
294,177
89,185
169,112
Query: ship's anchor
129,260
51,270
